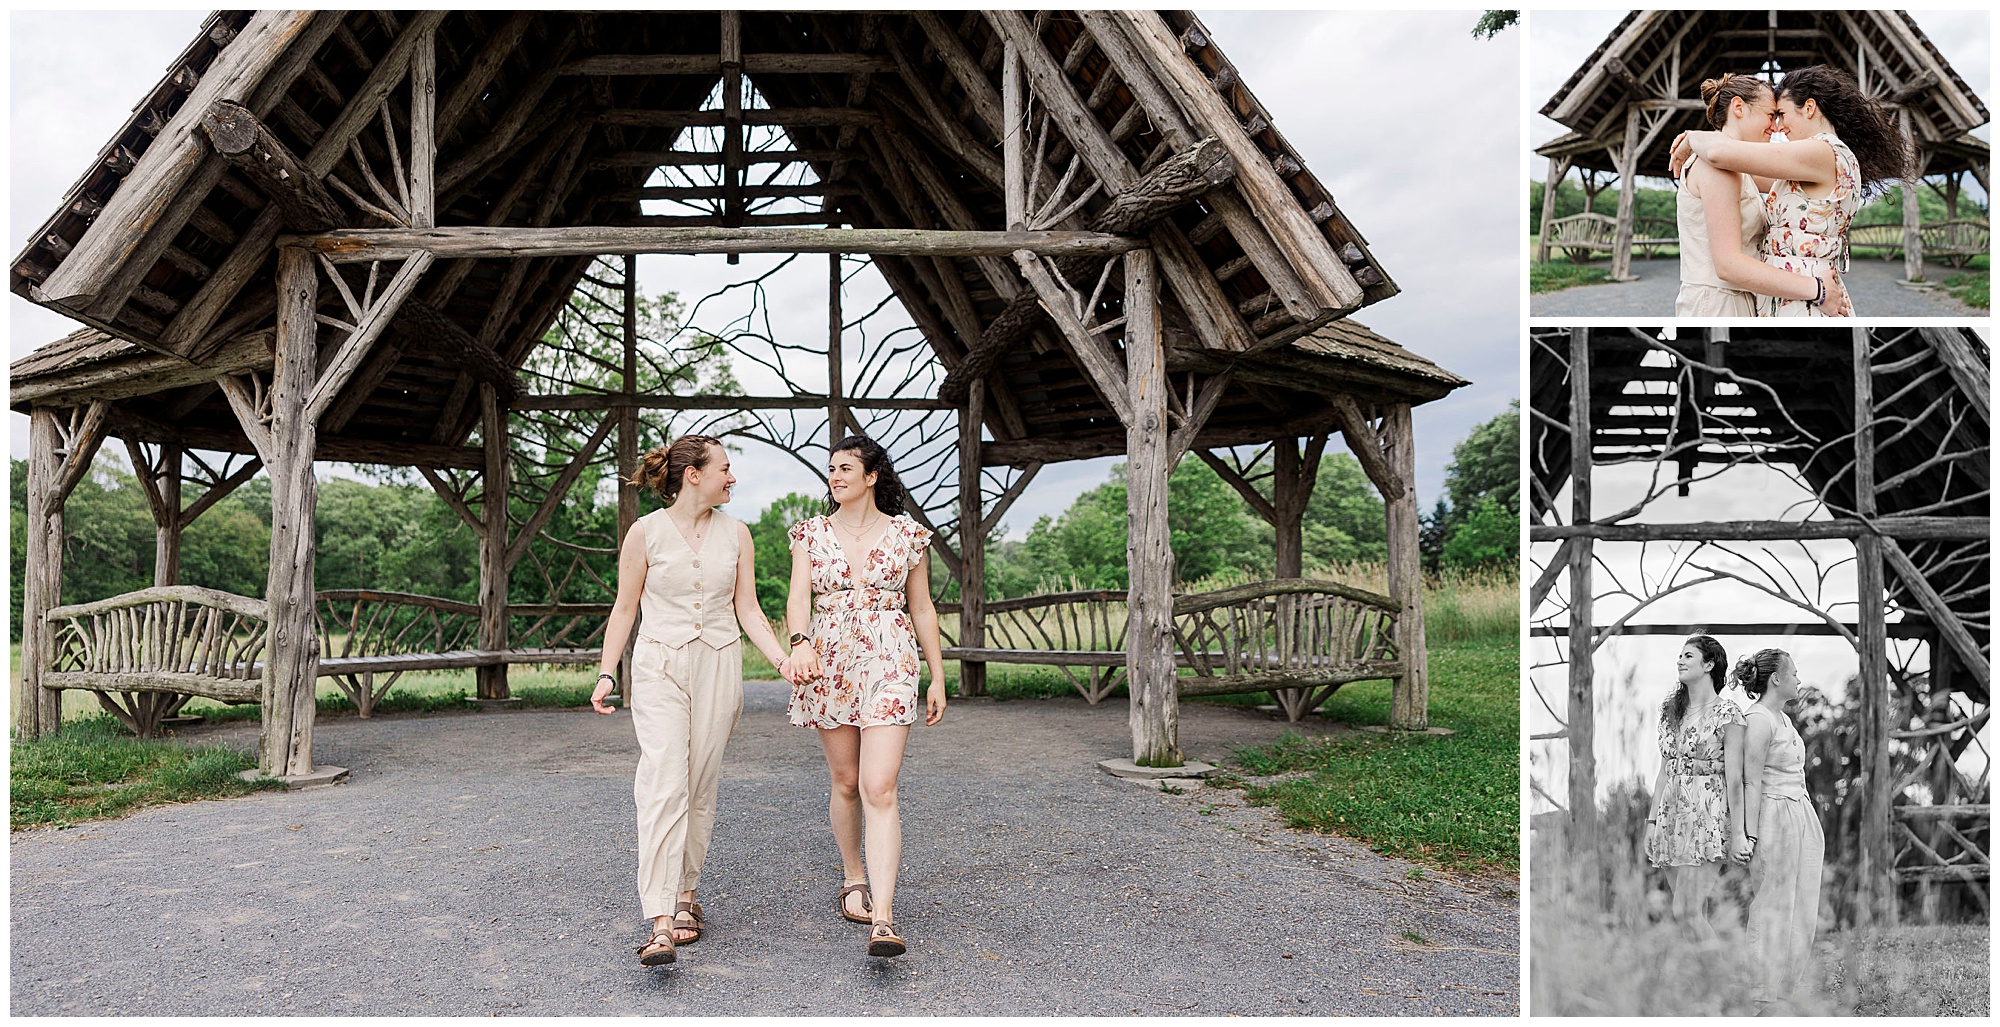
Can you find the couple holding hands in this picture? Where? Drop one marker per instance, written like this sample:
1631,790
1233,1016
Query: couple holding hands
859,612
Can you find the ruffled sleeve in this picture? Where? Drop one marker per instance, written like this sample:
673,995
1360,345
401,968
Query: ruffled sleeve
797,533
920,540
1727,712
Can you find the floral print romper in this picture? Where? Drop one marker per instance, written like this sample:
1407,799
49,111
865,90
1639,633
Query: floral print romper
861,628
1692,827
1808,236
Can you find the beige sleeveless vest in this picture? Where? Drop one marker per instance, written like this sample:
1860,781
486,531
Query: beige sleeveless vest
689,595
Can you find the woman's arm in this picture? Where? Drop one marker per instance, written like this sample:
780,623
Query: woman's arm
1732,783
923,612
624,611
748,613
1723,216
1659,789
1756,746
798,614
1807,162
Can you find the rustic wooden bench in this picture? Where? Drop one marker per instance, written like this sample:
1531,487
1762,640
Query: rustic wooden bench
1580,235
1953,242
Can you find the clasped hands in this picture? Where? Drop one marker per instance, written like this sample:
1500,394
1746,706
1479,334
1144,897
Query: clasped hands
801,666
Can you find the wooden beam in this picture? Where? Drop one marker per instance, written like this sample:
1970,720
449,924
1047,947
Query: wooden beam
423,130
170,161
303,202
1091,351
219,491
472,241
518,547
1365,445
711,64
82,448
1149,632
334,377
1580,710
1949,623
1258,503
496,486
971,545
1878,787
1909,528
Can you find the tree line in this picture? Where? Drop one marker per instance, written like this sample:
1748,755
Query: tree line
396,535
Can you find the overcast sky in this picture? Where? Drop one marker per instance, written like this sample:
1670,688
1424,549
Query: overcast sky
1560,41
1411,169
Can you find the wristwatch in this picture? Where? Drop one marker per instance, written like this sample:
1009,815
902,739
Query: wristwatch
797,637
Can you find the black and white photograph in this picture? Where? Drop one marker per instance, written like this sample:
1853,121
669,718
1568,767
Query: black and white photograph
1759,163
1758,691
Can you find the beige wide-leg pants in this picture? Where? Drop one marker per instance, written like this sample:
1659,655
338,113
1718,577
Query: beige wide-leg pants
685,705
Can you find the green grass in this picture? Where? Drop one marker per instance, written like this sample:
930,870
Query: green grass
90,771
1973,288
1450,801
1559,274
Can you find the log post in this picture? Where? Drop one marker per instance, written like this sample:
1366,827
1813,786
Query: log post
1877,868
1582,725
291,655
628,448
423,129
1013,163
1628,191
1558,167
1913,232
42,589
1289,524
1149,634
495,487
1409,708
971,544
836,411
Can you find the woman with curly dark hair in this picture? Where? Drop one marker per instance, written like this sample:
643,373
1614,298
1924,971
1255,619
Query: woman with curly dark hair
855,665
1840,146
1696,823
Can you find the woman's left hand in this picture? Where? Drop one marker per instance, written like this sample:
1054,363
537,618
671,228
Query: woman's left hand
1680,154
934,701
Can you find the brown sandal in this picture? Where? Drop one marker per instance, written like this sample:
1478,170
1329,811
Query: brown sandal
882,941
691,910
659,949
867,903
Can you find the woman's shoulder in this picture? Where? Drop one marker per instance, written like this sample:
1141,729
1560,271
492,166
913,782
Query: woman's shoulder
911,528
798,531
1724,710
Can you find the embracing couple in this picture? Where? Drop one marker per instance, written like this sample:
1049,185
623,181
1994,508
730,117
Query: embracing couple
860,609
1763,222
1732,788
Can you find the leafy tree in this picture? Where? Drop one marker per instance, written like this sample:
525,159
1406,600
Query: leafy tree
1492,23
1344,520
1489,537
1483,482
1431,534
774,553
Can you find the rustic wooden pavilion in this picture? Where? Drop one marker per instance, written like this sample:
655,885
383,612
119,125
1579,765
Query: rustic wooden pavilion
1889,430
343,235
1641,87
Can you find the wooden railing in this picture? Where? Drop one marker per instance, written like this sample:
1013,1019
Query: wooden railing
1298,638
1580,235
1956,242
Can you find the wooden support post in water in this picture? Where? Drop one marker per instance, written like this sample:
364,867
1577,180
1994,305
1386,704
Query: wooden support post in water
1877,867
971,544
1409,706
1149,635
492,681
291,655
1628,190
628,447
1581,713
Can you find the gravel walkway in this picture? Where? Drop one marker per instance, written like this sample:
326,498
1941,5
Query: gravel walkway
483,863
1873,284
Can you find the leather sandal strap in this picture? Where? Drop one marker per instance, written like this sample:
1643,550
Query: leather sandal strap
847,889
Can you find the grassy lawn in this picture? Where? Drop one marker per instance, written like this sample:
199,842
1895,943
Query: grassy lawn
92,770
1973,288
1560,274
1451,801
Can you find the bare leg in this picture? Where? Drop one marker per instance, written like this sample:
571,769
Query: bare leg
842,746
881,762
1692,887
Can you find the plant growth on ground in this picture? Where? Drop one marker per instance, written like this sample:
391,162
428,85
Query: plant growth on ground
91,770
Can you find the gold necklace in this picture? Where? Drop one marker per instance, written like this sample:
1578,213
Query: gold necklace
856,533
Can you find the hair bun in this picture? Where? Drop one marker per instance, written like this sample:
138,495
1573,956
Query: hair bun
1712,86
1745,671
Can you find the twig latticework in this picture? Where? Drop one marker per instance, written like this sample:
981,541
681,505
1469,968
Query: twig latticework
1883,435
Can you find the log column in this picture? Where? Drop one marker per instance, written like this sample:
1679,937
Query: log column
1287,484
1409,708
291,658
1913,233
1582,713
1628,188
1877,870
1149,636
52,473
628,449
971,544
493,564
1558,167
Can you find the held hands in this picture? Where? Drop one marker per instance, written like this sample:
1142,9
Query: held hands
802,665
1740,847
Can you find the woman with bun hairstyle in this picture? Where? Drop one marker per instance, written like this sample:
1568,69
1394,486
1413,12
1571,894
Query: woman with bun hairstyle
1721,214
1694,824
1840,145
1788,849
861,598
688,573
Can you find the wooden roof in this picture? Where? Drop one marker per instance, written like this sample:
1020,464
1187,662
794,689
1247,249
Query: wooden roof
560,119
1885,51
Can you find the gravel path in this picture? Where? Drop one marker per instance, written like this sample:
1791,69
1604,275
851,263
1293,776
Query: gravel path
1873,284
482,864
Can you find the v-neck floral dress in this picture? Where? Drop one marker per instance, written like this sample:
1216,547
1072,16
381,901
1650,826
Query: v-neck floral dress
1692,826
1809,236
861,628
